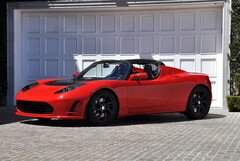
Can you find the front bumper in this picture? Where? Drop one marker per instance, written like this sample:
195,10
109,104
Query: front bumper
63,107
80,117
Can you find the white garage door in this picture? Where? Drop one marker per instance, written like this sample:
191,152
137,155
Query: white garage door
190,39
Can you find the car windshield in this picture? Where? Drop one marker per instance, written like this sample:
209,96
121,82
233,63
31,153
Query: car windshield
105,71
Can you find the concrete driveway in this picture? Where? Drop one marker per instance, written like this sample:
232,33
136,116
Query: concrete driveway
146,137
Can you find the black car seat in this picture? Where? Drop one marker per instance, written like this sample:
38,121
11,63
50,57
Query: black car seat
148,70
122,70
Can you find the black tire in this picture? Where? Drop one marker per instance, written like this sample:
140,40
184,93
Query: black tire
43,119
198,103
102,108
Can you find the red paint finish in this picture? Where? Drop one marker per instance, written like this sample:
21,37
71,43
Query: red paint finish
169,92
141,75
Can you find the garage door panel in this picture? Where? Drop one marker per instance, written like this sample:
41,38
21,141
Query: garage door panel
208,20
51,67
33,67
108,45
147,23
209,66
89,45
187,44
187,21
188,65
33,46
127,45
33,24
52,46
127,23
108,24
167,22
51,24
146,45
168,62
89,24
70,24
208,44
166,44
69,67
70,46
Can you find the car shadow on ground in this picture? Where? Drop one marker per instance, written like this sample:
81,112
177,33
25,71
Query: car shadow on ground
7,115
124,121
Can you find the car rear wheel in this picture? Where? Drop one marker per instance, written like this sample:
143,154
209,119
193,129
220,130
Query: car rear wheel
102,108
198,103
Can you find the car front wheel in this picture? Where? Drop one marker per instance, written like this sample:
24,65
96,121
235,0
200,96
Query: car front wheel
102,108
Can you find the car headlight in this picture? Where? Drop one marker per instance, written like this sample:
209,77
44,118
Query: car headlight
29,86
69,88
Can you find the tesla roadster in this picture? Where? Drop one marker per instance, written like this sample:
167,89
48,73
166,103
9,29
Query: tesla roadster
110,89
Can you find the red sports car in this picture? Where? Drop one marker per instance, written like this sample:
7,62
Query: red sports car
110,89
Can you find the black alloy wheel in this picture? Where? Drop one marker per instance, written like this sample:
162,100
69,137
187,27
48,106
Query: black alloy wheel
198,103
102,108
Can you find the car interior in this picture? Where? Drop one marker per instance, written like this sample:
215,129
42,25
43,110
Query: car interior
152,70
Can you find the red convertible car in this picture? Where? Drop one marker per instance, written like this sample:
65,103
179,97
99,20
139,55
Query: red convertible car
110,89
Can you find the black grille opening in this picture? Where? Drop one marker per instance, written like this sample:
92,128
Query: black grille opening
34,107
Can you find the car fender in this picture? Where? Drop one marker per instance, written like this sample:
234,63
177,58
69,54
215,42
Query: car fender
119,91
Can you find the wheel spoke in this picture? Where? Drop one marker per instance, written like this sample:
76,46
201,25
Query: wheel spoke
98,103
195,97
104,99
195,109
97,115
202,108
110,111
97,107
101,101
198,95
203,97
194,102
206,102
97,110
109,103
105,116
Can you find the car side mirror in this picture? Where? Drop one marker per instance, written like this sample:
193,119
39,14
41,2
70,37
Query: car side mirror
75,74
142,75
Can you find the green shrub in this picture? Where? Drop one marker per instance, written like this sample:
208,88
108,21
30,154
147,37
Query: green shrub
236,81
233,103
234,55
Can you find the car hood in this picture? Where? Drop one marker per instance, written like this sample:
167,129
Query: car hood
64,82
49,87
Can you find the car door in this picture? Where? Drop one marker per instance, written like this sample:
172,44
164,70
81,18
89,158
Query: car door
149,95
